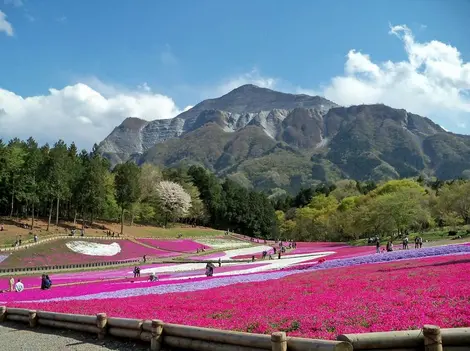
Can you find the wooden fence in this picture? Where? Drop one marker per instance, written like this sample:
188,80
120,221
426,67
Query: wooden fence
159,334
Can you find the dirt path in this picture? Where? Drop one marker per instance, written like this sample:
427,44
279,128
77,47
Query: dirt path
16,336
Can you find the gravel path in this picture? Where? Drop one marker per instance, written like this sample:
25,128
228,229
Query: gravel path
15,336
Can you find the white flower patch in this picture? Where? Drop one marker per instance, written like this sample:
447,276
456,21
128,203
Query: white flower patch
252,250
3,258
222,243
94,249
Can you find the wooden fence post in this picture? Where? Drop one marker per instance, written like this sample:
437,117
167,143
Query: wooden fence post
278,341
3,313
157,335
101,322
432,338
33,319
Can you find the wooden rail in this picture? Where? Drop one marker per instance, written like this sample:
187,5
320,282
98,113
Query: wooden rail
158,334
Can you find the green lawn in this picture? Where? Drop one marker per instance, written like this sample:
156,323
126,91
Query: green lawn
436,236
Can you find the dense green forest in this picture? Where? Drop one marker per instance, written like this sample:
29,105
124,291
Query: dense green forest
349,210
61,183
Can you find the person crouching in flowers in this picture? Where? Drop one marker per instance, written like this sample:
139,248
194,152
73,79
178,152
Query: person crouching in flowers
19,287
389,246
46,283
153,277
209,270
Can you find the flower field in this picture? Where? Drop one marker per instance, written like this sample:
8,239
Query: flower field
175,245
323,303
353,290
77,251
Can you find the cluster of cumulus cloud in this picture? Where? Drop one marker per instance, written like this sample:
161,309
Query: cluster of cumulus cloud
433,81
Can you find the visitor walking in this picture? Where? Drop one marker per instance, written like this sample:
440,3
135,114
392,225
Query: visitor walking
19,287
420,242
416,242
136,272
12,283
405,243
377,245
145,258
389,246
220,262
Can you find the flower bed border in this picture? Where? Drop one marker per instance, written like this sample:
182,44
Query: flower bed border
432,338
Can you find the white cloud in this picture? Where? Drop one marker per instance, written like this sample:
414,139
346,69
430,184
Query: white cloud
5,26
78,112
434,80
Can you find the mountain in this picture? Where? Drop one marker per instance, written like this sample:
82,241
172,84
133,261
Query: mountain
268,139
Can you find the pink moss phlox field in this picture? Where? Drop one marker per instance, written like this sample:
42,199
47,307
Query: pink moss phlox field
33,292
341,250
60,254
78,277
373,297
182,245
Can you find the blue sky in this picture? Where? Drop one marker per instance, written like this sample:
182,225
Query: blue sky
176,53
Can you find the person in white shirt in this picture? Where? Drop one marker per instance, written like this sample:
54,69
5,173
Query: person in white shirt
19,287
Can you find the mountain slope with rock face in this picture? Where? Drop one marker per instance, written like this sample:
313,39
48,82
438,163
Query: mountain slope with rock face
268,139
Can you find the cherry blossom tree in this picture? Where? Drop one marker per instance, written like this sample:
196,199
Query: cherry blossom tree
175,202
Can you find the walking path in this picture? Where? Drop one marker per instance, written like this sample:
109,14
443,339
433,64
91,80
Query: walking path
16,337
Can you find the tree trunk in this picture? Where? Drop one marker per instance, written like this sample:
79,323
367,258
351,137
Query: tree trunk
75,219
91,219
12,203
122,221
57,212
50,215
132,218
83,221
32,216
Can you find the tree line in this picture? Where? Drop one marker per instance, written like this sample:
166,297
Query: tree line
60,182
349,210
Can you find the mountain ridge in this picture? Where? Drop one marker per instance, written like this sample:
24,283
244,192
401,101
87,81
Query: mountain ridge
268,139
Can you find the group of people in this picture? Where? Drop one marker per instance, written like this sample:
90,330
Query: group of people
136,272
74,231
18,286
389,246
111,234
